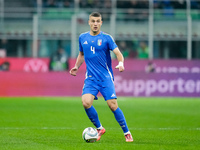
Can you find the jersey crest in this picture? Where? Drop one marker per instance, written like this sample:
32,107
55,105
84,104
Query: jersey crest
99,42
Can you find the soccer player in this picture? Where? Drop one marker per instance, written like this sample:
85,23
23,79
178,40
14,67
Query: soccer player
95,47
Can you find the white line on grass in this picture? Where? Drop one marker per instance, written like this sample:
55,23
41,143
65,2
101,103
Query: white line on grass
70,128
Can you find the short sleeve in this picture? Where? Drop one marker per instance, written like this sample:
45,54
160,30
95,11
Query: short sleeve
111,43
80,46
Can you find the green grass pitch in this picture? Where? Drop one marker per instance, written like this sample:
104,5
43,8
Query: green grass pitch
56,123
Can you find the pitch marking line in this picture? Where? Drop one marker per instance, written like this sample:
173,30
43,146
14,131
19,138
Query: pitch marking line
69,128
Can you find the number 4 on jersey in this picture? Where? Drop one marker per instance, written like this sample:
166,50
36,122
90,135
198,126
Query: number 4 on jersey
93,49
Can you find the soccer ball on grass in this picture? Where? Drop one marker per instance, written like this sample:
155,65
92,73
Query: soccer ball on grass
90,135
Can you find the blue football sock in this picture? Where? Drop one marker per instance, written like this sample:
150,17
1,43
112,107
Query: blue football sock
119,116
93,116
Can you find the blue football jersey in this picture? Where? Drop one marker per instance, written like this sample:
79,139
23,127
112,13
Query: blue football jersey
97,57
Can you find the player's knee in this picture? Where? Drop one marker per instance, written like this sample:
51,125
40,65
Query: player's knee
112,104
87,100
113,108
86,104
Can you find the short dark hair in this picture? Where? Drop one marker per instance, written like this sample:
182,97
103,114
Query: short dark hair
95,14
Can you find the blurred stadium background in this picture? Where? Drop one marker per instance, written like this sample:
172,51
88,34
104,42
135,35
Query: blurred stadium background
160,40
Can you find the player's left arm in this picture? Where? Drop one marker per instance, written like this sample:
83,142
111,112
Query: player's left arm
120,59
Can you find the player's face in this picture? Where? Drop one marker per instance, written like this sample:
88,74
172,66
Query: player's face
95,25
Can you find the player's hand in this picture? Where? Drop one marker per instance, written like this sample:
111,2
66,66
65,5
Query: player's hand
73,71
120,66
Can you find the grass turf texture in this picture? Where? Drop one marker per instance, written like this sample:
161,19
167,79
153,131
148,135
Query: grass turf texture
57,124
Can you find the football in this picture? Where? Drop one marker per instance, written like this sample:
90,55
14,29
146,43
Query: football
90,135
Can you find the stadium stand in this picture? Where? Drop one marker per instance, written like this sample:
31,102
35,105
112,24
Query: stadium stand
55,21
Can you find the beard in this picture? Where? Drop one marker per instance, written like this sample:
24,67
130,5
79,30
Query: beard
95,31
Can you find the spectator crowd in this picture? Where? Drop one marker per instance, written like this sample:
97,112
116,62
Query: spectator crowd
139,4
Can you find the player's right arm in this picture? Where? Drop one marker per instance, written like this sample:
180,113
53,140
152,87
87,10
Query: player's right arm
79,61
